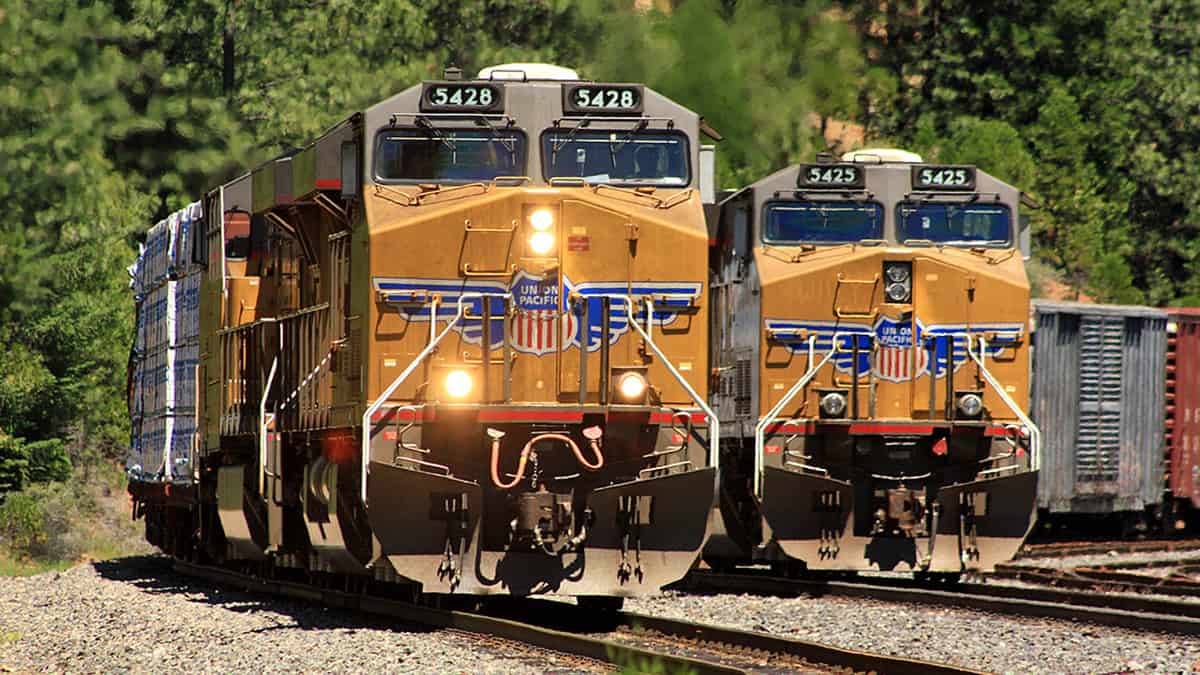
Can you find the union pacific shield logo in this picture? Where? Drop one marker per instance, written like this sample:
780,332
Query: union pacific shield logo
902,349
535,324
895,359
539,321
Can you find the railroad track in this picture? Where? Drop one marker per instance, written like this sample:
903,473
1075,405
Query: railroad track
1067,548
1124,611
1178,577
634,642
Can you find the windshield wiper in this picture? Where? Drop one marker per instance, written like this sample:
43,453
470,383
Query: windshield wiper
615,147
510,143
558,144
425,125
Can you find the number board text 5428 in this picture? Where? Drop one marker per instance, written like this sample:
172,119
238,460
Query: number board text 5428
462,97
586,98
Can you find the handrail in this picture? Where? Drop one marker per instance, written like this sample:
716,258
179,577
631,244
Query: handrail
1035,434
262,429
714,425
760,429
387,393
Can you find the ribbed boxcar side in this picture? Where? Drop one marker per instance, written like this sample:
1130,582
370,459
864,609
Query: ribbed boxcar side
1099,395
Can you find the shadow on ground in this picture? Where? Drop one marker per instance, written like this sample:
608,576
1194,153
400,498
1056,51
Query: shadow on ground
154,574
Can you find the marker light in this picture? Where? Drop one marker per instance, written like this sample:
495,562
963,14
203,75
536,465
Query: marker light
970,405
458,384
541,242
541,220
833,404
631,386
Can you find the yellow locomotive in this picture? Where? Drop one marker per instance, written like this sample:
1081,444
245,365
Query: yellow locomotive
871,352
460,341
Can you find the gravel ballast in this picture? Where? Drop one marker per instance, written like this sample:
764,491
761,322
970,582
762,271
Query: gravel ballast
137,615
990,642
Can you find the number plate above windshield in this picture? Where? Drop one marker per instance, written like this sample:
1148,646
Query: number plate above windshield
602,99
943,178
461,97
831,176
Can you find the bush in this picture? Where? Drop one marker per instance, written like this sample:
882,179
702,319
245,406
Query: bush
48,461
24,463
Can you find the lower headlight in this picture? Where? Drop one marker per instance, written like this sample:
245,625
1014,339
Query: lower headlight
541,242
833,404
631,386
970,405
458,384
898,291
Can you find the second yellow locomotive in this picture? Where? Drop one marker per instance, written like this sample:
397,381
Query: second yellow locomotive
871,349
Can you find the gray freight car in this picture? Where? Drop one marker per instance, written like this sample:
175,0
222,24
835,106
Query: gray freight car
1099,396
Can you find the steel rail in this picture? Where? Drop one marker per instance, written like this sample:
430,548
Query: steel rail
1123,611
545,638
813,652
555,620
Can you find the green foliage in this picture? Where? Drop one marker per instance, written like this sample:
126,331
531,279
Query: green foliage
14,463
48,461
46,524
766,74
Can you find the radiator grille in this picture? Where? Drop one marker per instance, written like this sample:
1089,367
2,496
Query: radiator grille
1100,374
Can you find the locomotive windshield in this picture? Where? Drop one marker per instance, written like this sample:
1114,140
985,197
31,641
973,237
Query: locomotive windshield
821,222
955,224
432,154
616,156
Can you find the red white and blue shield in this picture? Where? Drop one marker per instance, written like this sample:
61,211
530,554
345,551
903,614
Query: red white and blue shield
895,358
537,319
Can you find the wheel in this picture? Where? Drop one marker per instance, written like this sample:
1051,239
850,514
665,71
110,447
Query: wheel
601,603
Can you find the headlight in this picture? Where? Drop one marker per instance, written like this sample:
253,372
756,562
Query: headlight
458,384
833,404
897,292
897,272
898,277
631,386
541,220
541,242
970,405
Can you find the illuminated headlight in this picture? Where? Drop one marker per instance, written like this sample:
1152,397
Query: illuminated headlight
970,405
631,386
833,404
458,384
541,242
541,220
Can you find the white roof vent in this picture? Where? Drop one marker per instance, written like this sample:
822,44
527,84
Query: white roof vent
882,156
527,71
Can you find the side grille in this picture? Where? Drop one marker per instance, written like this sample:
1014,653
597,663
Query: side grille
1100,373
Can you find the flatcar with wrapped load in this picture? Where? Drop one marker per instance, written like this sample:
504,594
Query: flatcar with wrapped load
459,342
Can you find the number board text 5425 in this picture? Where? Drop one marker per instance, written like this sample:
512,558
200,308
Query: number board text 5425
943,178
831,176
462,97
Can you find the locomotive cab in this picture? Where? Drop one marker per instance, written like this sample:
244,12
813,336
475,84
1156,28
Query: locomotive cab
872,346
